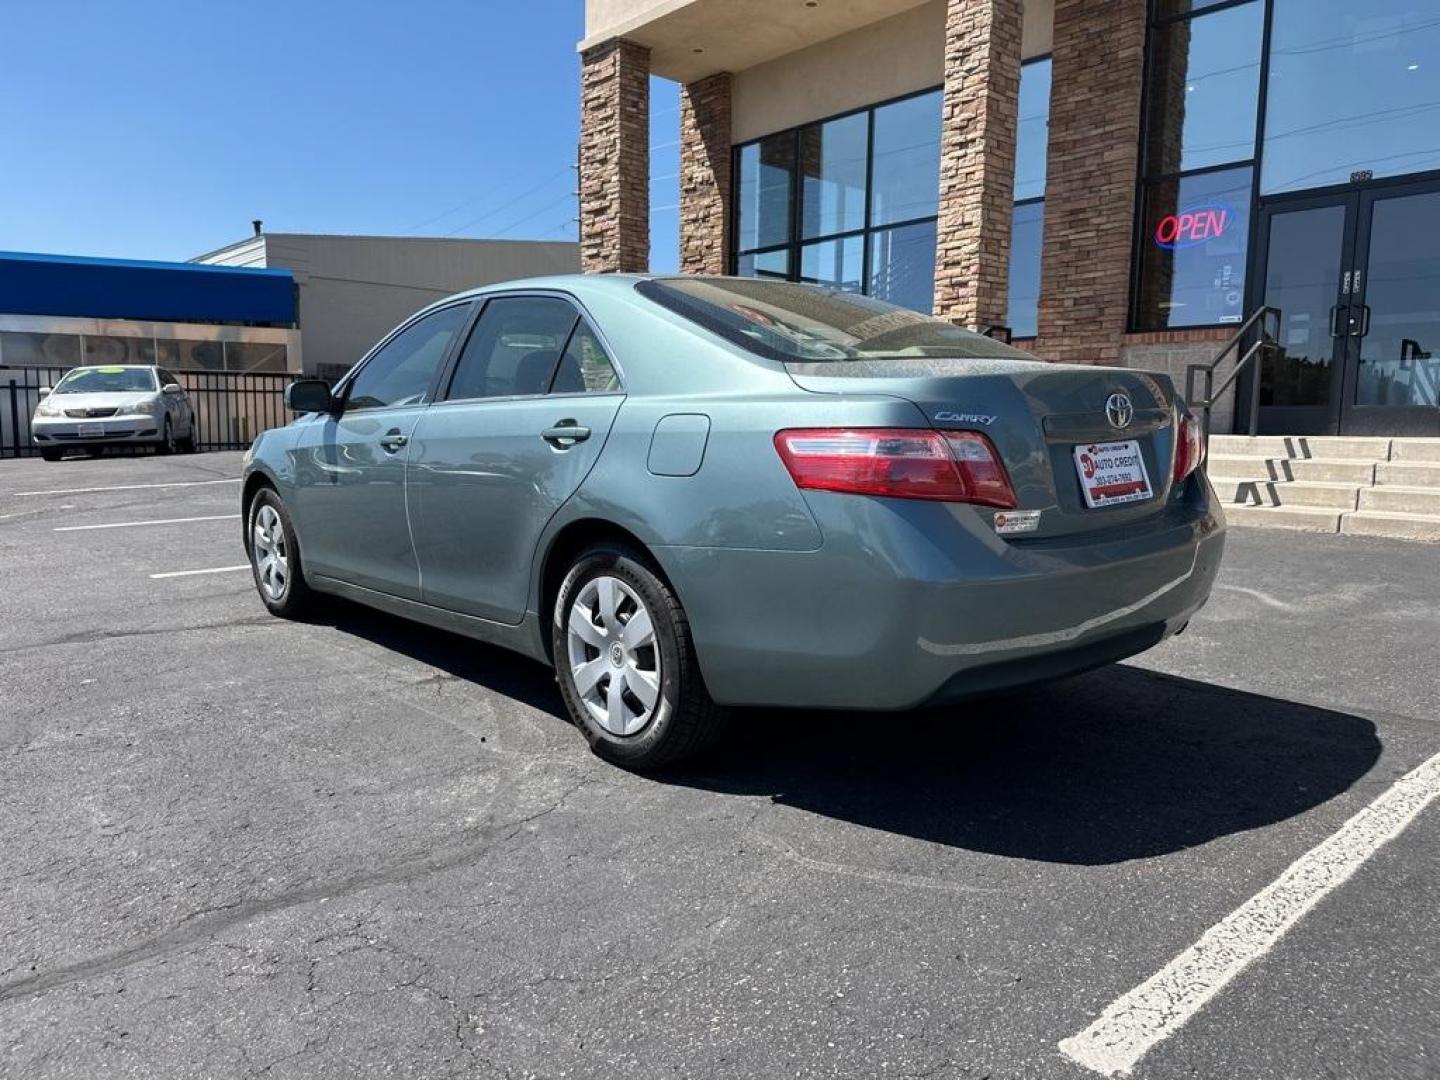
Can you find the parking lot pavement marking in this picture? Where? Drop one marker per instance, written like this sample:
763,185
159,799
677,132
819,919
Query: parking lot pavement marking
129,487
1160,1006
207,570
157,521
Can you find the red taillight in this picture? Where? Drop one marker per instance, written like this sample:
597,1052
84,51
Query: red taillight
1189,446
903,463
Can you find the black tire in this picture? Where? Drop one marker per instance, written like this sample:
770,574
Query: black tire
685,720
50,454
297,599
167,439
187,445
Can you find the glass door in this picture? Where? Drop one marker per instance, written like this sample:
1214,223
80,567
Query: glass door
1305,246
1356,278
1392,384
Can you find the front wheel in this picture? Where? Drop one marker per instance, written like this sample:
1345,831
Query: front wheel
167,438
626,662
51,455
275,557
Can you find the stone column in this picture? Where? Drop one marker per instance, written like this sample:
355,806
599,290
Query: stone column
705,175
615,157
977,160
1097,71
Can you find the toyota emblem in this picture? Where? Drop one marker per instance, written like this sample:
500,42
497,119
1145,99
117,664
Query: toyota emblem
1119,411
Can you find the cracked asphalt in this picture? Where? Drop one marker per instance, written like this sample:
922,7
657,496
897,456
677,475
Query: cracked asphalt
234,846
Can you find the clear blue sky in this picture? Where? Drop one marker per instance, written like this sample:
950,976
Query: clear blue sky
158,128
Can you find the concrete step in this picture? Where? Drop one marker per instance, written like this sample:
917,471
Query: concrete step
1321,470
1286,493
1408,475
1394,525
1394,498
1328,447
1308,519
1415,450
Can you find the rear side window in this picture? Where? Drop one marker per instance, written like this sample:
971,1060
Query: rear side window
797,323
400,373
584,367
514,349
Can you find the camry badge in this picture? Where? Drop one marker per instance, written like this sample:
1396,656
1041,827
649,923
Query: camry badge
1119,411
964,418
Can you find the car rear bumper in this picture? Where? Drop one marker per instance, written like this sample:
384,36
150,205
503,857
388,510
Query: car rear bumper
908,604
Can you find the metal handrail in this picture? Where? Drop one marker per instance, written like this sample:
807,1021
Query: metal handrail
1265,340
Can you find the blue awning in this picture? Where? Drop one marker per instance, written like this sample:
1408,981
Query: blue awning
32,284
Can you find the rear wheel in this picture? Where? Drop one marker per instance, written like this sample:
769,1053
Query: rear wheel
275,557
626,663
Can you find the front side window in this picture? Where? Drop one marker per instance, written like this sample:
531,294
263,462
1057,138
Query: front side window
401,372
799,323
514,349
102,380
850,203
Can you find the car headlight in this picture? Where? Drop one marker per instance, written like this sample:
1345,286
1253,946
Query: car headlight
47,408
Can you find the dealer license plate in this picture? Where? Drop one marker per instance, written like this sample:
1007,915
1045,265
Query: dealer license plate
1112,473
92,429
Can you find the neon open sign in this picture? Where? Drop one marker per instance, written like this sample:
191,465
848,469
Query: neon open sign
1193,225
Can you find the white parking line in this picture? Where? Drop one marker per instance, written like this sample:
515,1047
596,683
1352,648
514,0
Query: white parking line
209,570
128,487
158,521
1161,1005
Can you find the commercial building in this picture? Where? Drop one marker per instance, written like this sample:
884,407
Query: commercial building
353,289
59,311
1115,181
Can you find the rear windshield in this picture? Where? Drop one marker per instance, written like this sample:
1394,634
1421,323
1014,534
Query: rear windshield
99,380
809,324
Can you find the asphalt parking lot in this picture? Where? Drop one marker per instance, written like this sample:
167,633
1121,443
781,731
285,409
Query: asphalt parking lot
236,846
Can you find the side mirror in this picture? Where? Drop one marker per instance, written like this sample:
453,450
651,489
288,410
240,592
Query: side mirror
44,391
171,388
309,395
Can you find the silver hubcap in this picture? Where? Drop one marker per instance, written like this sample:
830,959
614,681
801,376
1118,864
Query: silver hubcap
614,658
272,563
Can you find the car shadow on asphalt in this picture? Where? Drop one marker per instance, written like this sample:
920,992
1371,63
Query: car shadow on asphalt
1117,764
1120,763
494,668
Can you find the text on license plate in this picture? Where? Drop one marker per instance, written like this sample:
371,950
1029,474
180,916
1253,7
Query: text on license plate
1112,473
92,429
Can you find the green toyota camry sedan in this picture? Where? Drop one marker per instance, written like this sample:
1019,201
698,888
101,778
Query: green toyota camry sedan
691,494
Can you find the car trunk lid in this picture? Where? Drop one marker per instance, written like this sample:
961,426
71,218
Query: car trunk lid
1036,414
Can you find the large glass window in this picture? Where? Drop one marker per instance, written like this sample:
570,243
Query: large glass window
766,175
255,356
1204,90
1192,249
118,350
832,162
20,348
1199,153
849,202
1026,233
1028,223
1352,86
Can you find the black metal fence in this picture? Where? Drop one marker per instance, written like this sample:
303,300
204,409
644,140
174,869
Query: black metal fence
231,407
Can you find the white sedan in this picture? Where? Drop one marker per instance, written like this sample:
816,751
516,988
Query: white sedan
93,407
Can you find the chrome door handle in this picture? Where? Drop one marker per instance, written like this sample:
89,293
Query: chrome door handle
563,435
393,440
